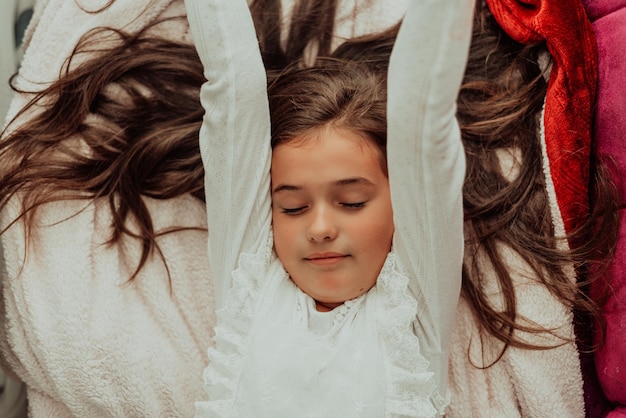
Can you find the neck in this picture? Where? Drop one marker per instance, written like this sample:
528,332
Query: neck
326,307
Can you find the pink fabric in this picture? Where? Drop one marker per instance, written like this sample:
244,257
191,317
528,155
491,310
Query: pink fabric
609,22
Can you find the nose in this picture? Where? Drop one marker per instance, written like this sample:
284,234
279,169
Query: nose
322,226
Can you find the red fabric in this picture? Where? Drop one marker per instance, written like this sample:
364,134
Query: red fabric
568,34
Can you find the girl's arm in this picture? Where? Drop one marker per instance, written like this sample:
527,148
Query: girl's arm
235,134
427,164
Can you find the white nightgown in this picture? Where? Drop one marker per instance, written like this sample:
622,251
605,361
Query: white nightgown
385,352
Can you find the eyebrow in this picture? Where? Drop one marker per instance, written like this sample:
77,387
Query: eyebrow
343,182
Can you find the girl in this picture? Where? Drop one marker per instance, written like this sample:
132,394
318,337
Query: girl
316,316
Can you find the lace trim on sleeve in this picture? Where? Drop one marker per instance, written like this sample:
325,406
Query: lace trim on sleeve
221,376
411,388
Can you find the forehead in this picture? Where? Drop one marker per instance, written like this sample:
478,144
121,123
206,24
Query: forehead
326,155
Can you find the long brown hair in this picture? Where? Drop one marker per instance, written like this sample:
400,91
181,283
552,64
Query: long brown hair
311,26
342,93
118,126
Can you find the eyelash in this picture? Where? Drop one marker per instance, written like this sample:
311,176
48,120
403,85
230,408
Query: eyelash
356,205
293,211
297,211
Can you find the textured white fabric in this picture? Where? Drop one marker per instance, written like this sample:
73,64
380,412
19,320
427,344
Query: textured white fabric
523,383
401,327
86,343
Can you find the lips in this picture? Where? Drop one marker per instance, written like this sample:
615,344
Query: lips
325,259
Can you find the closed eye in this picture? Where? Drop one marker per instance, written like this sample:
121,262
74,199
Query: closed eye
355,205
293,211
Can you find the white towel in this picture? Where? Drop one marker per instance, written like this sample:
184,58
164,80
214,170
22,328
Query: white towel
84,341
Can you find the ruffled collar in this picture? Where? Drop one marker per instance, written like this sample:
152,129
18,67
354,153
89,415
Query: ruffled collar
411,387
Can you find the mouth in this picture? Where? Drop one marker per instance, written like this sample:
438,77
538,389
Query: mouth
325,259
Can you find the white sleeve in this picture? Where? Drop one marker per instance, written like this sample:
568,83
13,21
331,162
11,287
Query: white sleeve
427,164
235,134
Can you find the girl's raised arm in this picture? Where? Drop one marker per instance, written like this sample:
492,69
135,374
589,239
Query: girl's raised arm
235,134
427,164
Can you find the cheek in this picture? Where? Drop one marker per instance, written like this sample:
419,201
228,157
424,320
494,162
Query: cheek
385,227
283,235
390,228
375,231
381,234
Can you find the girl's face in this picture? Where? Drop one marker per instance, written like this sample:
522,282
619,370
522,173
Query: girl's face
331,212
